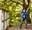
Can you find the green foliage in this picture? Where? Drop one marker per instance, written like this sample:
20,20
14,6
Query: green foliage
30,6
13,7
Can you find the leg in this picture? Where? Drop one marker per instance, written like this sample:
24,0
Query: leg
26,23
22,23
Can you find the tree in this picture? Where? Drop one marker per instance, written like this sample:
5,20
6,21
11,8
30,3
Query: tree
13,7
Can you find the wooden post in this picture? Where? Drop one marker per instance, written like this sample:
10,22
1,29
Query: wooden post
1,25
3,19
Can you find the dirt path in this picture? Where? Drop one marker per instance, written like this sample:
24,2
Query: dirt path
29,27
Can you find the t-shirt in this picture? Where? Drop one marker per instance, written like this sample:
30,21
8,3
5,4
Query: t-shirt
24,14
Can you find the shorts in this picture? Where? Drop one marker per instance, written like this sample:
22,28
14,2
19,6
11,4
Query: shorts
24,19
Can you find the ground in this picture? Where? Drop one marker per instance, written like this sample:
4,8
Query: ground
29,27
